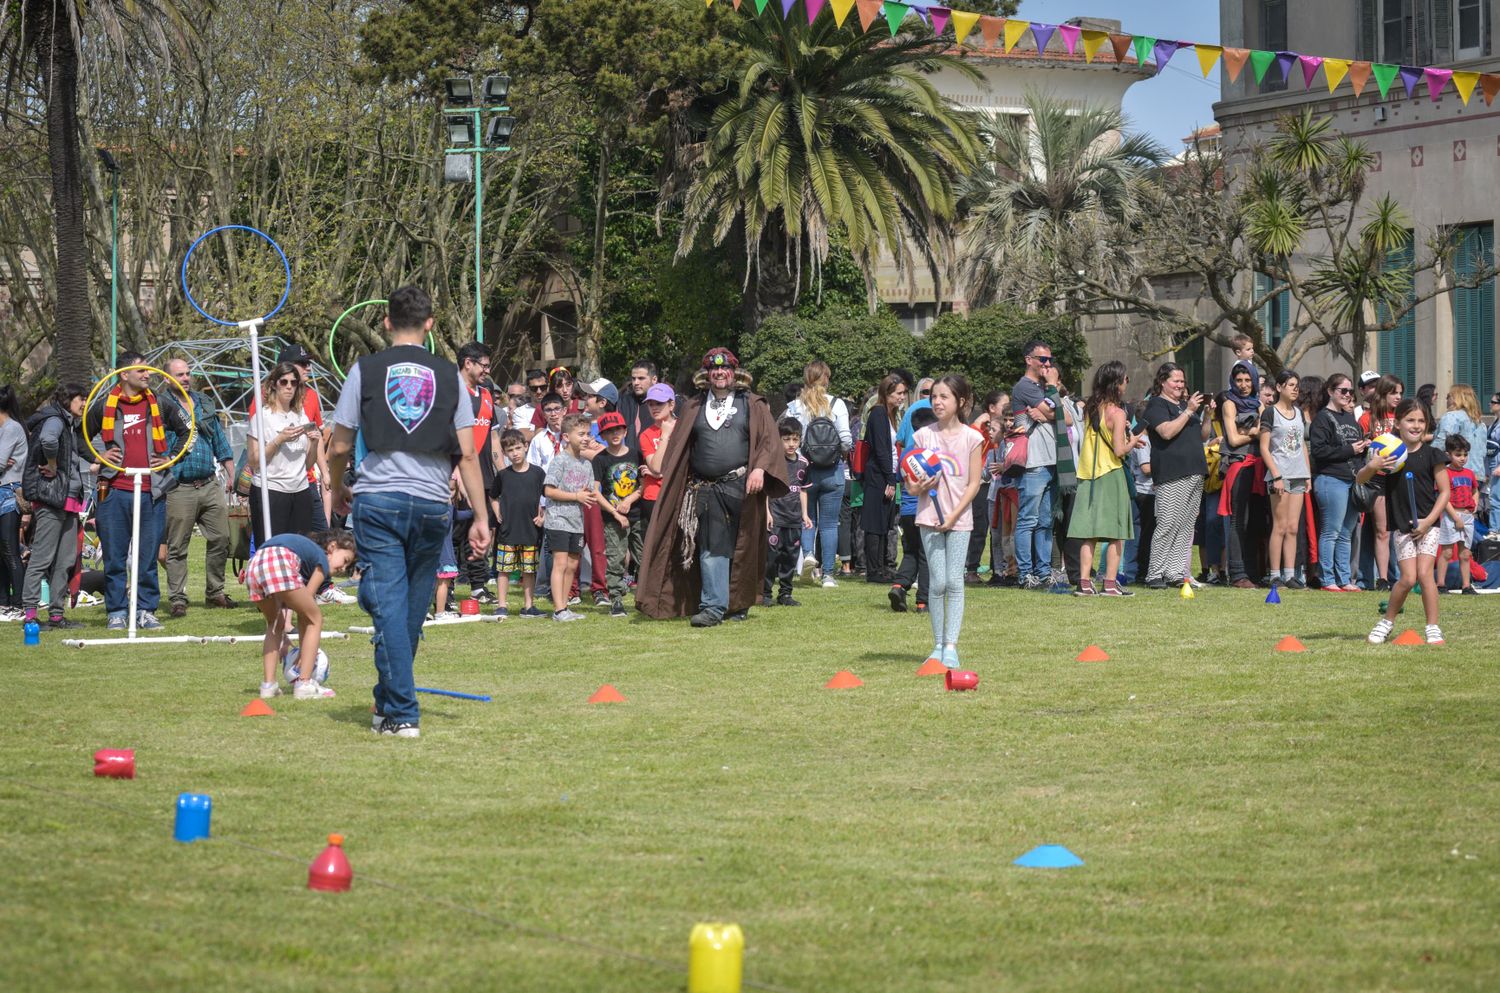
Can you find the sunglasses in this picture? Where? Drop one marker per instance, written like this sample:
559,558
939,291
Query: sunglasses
288,381
1344,391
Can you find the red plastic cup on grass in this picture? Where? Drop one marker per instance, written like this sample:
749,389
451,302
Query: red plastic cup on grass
118,763
960,679
469,608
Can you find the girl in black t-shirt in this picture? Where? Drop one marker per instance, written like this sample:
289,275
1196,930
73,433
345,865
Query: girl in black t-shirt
1415,498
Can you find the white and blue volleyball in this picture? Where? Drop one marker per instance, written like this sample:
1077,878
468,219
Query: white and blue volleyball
1388,445
290,670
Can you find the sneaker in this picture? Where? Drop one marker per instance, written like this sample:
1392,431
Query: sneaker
566,615
377,722
1434,635
898,599
830,583
1033,583
1156,584
1469,591
703,619
1193,582
1381,631
950,656
502,612
574,601
446,615
398,729
601,600
1351,588
766,601
1293,584
936,654
483,595
921,607
1215,578
617,608
808,562
530,612
1333,589
87,600
1113,588
116,621
57,622
269,690
972,579
333,594
311,689
1381,586
1085,588
146,621
787,601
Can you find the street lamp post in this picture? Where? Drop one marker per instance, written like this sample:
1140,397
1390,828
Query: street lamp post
113,168
462,117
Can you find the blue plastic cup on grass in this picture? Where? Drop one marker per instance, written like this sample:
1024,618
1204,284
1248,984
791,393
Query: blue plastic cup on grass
193,813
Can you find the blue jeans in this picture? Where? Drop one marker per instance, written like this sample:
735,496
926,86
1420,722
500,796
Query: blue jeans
1129,566
713,598
1337,518
397,540
1034,522
825,493
113,523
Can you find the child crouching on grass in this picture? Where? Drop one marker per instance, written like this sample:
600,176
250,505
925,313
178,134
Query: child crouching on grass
284,578
1415,497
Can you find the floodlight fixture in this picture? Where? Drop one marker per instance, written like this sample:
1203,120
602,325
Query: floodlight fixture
460,131
108,161
496,89
498,134
460,91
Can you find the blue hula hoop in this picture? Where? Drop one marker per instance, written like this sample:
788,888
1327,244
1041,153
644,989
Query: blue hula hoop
286,267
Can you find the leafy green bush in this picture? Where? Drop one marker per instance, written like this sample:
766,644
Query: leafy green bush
986,346
859,348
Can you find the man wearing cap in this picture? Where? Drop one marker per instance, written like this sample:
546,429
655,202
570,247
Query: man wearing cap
1367,381
707,542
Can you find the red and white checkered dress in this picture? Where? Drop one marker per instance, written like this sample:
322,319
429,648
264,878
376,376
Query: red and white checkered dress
273,570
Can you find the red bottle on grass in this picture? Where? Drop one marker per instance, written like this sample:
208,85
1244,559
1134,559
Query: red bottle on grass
330,871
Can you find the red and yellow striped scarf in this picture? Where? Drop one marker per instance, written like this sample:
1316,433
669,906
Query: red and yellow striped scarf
158,430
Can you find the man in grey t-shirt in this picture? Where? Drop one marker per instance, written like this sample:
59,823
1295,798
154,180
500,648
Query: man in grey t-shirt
1034,403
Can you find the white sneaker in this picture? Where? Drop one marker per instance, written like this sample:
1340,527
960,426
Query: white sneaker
269,690
808,562
1382,631
311,689
446,615
335,595
567,615
1434,635
829,583
88,600
8,614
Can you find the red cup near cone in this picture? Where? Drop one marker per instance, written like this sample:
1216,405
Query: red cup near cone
469,608
331,871
960,679
118,763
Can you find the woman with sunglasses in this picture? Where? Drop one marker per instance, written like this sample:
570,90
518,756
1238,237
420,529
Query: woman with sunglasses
281,464
1337,446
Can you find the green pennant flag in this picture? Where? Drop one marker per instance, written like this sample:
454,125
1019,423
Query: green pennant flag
760,7
1261,61
895,13
1384,75
1143,46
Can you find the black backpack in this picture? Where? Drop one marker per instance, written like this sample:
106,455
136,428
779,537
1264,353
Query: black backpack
820,443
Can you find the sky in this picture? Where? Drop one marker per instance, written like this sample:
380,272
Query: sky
1172,105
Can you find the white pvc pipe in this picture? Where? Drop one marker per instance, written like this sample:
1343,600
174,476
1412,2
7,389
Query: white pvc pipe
187,639
259,398
135,548
471,619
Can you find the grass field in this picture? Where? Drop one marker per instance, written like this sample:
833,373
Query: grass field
1250,820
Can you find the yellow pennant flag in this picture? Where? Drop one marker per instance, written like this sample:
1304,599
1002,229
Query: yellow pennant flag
1464,82
1092,42
1334,70
963,23
1207,56
1013,31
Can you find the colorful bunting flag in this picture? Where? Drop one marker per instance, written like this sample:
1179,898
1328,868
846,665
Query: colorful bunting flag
868,11
963,23
1489,85
1234,61
1142,48
1310,65
990,27
786,8
1334,71
1261,61
895,13
1409,76
1162,52
1464,82
737,5
1121,44
1070,33
1041,34
1284,62
760,7
1359,75
1436,80
939,18
1092,42
1014,29
814,8
1208,55
1384,74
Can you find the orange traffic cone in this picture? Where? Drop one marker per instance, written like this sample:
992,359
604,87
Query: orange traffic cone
1093,653
257,708
932,667
1409,637
1290,644
843,680
606,694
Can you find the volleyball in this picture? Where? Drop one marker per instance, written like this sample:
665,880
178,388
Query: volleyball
320,667
1389,445
921,464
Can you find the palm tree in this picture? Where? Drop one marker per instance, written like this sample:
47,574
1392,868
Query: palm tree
825,134
1053,194
45,38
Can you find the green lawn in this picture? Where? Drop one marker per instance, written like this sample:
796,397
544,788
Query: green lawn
1250,820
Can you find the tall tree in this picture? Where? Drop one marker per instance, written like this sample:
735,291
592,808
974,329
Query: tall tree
825,131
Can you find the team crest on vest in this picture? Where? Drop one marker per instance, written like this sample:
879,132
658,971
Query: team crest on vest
410,391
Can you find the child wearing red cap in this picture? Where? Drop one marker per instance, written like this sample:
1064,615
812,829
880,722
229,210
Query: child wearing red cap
618,472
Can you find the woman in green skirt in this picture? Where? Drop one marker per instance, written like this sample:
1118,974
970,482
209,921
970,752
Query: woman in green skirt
1101,509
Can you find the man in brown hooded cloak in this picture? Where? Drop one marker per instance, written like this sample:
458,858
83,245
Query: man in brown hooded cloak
706,548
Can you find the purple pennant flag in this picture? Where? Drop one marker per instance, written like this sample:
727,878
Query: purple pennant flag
1409,76
1436,80
1162,53
1310,65
1043,34
1070,33
922,13
939,18
786,8
1284,62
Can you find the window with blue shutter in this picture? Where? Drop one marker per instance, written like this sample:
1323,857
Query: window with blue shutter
1398,346
1474,311
1276,314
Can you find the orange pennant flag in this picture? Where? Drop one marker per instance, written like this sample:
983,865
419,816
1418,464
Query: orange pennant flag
1359,75
1123,43
990,27
1207,56
963,23
1092,42
1013,31
1234,61
1489,84
1464,82
1334,71
841,10
868,11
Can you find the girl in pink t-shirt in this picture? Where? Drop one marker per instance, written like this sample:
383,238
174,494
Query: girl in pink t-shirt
947,543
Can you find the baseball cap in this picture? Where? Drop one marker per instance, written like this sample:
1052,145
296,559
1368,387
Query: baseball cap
613,419
600,387
1368,376
294,354
662,393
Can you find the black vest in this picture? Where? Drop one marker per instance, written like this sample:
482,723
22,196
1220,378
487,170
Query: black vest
407,399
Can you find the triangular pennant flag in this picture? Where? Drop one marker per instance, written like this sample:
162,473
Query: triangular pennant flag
709,3
1093,653
1041,34
1013,31
932,667
760,7
1408,637
963,23
1436,80
1092,42
1384,74
1162,52
1143,47
1207,56
1234,61
1070,33
990,28
1290,644
1261,61
1409,76
895,13
1334,71
737,4
1359,75
1310,65
1464,82
1121,44
939,18
1284,62
843,680
1489,85
257,708
606,694
921,15
868,11
814,8
786,8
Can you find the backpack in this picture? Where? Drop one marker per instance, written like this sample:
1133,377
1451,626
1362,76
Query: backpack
1013,461
820,443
